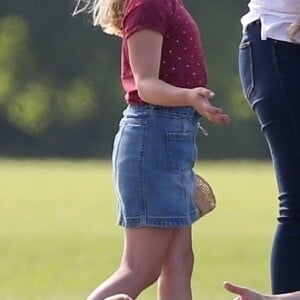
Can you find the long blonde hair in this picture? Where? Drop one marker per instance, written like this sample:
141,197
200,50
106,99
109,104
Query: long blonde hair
108,14
294,29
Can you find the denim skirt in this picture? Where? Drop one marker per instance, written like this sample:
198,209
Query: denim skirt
153,157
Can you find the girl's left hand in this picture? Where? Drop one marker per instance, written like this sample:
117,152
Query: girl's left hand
199,99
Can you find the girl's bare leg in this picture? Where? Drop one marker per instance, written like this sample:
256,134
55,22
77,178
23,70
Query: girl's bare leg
143,255
175,278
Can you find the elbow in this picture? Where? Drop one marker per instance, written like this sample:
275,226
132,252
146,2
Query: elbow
141,87
147,87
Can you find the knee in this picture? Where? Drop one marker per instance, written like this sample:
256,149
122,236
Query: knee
142,275
176,263
148,276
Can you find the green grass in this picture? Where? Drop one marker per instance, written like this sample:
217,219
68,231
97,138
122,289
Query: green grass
59,238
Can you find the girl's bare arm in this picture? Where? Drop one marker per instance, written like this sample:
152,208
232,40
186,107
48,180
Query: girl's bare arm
145,55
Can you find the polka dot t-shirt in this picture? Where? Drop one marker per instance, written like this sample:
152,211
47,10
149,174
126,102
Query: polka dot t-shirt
182,60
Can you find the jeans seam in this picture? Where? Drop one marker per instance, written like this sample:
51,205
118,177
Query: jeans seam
141,163
280,79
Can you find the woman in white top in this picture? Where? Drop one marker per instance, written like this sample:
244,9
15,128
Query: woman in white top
269,63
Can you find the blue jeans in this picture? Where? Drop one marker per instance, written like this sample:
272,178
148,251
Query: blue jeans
270,77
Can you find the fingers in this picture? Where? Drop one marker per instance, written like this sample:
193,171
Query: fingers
216,115
206,93
214,110
219,119
210,112
244,293
234,288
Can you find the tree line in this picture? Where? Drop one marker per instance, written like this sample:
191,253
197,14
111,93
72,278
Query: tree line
60,90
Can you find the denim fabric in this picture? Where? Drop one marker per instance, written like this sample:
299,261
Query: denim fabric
153,156
270,77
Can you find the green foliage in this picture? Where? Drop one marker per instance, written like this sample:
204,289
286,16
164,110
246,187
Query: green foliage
26,102
30,110
77,101
13,42
60,78
13,54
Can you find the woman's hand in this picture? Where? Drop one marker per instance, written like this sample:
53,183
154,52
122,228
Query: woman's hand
199,98
244,293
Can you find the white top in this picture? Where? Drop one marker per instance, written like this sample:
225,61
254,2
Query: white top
275,16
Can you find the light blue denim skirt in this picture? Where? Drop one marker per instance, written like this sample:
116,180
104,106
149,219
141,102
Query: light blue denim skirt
153,157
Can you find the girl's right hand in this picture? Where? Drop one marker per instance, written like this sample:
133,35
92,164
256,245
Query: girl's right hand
199,98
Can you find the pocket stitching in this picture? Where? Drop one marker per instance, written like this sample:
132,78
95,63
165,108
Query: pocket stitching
243,47
180,137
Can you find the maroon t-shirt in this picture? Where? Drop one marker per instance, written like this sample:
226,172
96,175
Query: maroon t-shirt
182,61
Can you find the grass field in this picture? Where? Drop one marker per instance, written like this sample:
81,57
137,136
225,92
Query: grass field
59,238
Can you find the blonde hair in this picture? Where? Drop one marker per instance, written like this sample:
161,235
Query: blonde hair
108,14
294,29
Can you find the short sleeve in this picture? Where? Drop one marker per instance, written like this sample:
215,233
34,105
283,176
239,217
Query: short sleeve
145,14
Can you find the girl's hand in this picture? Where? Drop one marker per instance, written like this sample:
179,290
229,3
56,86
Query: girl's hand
243,292
199,98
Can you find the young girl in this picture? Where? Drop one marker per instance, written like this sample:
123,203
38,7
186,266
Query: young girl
164,78
269,60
